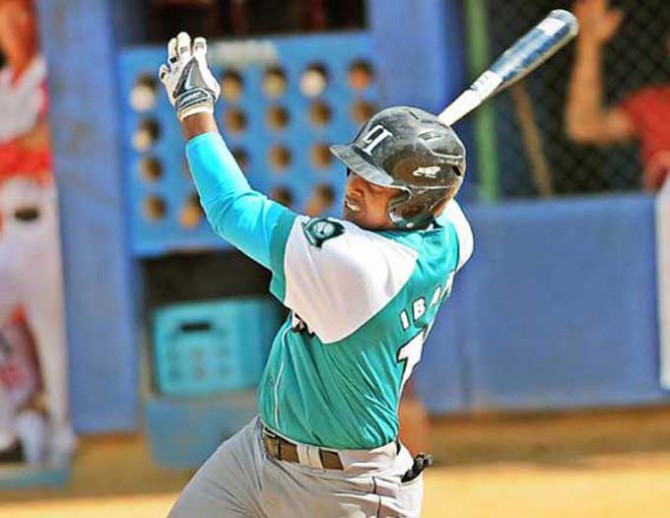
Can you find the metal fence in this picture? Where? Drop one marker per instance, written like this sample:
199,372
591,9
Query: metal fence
637,55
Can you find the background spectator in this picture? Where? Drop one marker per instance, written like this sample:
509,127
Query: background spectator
644,115
30,262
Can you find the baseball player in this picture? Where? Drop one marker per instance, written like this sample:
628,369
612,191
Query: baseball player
30,262
363,292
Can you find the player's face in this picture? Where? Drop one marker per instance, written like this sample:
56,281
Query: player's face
17,28
366,204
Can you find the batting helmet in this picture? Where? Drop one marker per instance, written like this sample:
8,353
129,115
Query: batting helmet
410,150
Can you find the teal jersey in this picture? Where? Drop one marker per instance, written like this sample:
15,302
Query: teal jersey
362,305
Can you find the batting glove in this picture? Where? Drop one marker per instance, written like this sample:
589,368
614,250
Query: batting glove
190,85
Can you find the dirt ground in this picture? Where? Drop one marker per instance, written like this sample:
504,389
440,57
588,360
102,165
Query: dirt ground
611,464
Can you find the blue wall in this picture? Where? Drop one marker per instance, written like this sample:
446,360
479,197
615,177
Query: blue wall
557,309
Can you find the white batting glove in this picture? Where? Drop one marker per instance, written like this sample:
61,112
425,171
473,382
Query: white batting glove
190,85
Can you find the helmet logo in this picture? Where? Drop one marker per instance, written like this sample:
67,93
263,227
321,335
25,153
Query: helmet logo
375,136
427,172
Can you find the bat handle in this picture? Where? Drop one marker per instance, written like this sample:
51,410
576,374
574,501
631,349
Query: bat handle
481,89
464,104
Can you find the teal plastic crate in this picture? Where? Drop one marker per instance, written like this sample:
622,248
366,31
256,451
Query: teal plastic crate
206,347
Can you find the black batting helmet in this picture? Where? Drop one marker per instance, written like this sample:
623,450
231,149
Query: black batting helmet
410,150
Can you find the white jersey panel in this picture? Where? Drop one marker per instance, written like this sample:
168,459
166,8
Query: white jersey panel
21,103
338,286
466,242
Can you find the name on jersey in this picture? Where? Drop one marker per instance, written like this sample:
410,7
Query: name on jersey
421,305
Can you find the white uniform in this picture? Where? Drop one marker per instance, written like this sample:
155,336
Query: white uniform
30,260
19,372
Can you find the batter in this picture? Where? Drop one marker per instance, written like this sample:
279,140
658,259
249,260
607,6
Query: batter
363,293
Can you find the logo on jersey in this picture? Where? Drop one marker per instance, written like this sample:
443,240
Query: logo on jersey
319,230
427,172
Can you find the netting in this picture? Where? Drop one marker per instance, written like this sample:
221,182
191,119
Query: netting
231,18
636,56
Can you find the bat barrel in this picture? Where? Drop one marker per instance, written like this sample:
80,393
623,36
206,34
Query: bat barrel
535,47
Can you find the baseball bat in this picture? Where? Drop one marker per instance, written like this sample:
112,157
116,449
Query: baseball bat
524,56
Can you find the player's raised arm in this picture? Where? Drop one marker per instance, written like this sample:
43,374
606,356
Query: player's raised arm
587,117
244,217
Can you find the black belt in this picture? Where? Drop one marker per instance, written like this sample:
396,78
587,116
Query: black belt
282,449
27,214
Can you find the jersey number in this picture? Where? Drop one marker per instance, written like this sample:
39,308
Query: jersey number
410,354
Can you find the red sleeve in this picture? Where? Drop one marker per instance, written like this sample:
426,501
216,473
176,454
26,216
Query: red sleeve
638,105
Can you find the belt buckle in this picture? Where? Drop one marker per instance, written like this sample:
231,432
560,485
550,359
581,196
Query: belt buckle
271,443
27,214
271,446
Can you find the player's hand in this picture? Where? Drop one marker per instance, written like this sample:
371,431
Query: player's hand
190,85
597,22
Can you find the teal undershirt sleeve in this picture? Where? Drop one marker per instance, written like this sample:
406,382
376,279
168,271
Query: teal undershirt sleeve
242,216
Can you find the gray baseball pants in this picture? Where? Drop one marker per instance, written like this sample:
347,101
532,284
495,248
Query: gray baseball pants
241,481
